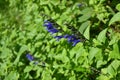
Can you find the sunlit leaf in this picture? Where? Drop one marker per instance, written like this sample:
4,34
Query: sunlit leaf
115,18
84,26
102,36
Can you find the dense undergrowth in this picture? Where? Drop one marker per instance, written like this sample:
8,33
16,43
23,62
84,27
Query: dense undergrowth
59,40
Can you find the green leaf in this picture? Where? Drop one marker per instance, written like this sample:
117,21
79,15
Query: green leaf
102,36
42,2
46,10
63,57
111,71
12,76
118,7
55,2
115,18
22,50
103,77
115,64
99,55
84,26
6,53
100,63
113,40
93,52
85,17
28,68
87,33
46,75
77,50
87,13
72,78
104,70
91,2
79,69
115,53
86,10
112,68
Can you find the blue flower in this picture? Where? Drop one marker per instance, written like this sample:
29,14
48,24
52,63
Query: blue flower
58,37
75,42
50,27
72,39
66,36
29,57
52,30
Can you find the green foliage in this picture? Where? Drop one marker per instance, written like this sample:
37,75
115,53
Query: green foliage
118,7
115,18
102,36
96,57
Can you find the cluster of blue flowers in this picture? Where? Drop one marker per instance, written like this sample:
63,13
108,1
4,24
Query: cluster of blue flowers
50,28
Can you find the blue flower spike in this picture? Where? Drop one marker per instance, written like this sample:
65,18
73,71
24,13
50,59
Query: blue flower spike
29,57
50,28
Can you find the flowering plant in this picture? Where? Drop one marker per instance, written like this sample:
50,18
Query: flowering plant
59,40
